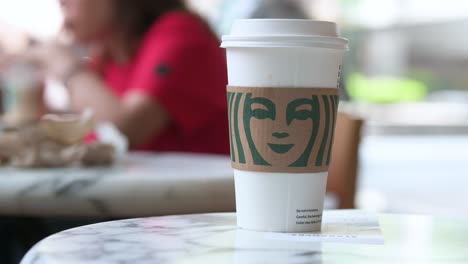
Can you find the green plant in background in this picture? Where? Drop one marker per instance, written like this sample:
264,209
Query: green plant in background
385,89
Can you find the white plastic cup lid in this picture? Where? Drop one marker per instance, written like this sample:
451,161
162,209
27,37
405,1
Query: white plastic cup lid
284,33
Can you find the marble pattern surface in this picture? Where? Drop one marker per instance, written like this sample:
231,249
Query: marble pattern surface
141,184
214,238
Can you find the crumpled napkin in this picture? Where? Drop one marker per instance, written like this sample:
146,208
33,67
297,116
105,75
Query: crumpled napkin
57,141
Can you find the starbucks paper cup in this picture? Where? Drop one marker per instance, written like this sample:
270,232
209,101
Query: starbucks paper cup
282,96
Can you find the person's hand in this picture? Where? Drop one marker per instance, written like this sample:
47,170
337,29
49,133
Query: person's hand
56,61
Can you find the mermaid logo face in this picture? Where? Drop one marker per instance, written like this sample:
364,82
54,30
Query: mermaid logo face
283,132
281,129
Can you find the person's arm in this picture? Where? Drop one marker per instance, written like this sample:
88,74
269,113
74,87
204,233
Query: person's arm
137,116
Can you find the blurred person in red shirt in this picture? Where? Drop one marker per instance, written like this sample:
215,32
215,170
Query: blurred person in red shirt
156,72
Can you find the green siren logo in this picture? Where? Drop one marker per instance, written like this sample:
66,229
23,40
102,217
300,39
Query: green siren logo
281,129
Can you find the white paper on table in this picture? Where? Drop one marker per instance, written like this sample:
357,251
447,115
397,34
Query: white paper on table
344,226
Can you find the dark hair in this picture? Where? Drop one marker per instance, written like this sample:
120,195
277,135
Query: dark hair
134,17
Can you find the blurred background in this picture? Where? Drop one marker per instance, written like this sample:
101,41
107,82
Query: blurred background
406,75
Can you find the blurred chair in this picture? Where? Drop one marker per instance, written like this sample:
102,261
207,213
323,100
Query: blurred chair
342,176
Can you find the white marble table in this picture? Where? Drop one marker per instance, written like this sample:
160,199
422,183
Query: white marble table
139,185
214,238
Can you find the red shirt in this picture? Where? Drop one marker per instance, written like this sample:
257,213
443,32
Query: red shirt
180,65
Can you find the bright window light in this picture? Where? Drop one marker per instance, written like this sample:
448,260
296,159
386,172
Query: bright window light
41,19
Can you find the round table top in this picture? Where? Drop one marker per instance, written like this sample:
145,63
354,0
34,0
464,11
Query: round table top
214,238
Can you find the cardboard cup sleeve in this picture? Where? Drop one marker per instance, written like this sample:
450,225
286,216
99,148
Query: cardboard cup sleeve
281,129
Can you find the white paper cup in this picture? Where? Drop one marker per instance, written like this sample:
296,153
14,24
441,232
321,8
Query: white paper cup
23,90
288,54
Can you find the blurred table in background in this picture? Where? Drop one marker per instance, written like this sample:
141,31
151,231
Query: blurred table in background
414,174
140,185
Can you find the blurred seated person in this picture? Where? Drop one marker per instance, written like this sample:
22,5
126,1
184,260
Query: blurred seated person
155,70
